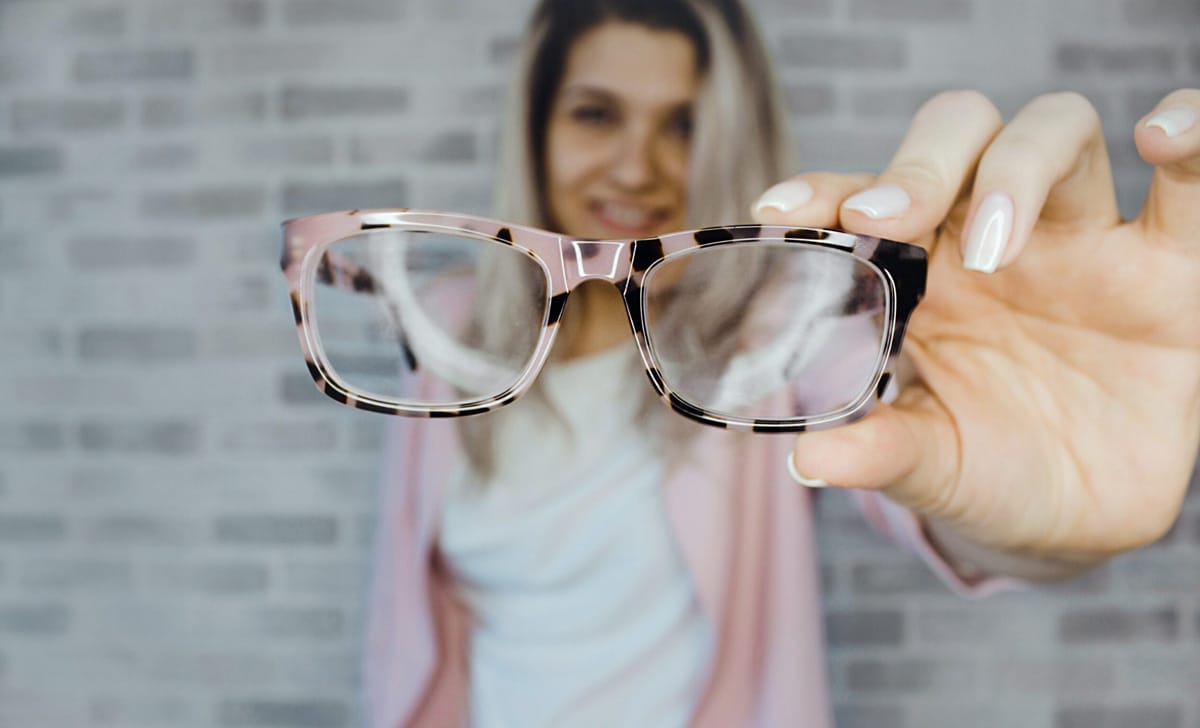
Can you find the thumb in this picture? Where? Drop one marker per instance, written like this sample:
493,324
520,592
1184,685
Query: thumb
908,450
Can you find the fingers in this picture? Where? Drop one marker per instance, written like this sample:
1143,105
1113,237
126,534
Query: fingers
935,160
1049,166
1169,138
910,451
808,200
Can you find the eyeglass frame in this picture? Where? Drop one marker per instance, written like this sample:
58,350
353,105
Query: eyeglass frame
304,260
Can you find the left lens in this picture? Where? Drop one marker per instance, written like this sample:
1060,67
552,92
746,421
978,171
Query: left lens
767,330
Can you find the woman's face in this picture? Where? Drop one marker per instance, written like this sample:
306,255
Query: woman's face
618,133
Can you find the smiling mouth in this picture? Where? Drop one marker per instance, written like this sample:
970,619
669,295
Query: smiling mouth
628,218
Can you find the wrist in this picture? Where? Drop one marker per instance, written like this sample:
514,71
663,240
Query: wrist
973,561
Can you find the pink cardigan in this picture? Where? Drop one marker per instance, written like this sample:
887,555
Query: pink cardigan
746,533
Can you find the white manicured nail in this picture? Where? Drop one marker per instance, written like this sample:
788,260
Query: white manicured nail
989,233
1174,121
880,202
796,476
785,196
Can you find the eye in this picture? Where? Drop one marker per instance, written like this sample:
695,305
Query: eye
680,124
593,114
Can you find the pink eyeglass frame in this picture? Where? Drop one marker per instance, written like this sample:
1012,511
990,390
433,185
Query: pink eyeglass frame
567,262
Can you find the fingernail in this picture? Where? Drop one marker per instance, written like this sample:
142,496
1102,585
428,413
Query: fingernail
989,233
879,202
796,476
785,196
1174,121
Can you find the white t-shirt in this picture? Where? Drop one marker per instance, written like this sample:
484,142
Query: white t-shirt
583,611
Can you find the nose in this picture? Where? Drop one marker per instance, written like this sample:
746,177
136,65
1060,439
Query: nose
633,165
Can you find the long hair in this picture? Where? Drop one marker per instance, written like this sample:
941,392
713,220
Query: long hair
738,148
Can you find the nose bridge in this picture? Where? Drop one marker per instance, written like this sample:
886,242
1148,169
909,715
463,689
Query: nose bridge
586,259
634,153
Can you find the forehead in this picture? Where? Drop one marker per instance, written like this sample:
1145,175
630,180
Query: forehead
633,62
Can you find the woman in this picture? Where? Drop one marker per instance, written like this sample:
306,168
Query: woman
677,585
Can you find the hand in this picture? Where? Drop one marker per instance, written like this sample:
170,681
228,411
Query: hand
1054,409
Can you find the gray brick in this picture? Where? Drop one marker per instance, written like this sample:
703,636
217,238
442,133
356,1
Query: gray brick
302,198
307,101
859,715
253,341
246,293
843,52
333,670
865,627
167,157
906,578
34,436
109,710
928,11
807,9
106,251
1108,59
298,151
393,149
810,99
910,675
1171,673
31,343
129,66
1056,675
31,528
1164,573
275,530
503,51
297,713
261,58
1124,716
213,669
98,21
67,115
207,203
1113,624
892,101
24,161
77,574
324,578
222,578
296,388
205,17
34,619
829,579
136,344
296,437
452,147
322,13
1178,13
152,437
173,111
366,435
320,623
137,530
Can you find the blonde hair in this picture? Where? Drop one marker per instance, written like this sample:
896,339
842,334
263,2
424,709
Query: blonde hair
739,145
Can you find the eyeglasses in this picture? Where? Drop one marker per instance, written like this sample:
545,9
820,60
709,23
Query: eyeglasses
749,327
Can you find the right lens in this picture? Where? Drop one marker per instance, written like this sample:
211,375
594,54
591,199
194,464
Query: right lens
426,319
767,330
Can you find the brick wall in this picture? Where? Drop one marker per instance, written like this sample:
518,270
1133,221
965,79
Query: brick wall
184,523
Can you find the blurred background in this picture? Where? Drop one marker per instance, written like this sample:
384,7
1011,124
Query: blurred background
185,523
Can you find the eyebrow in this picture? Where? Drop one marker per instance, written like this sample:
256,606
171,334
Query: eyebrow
584,89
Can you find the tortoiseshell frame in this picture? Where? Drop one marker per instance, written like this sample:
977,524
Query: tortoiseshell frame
567,262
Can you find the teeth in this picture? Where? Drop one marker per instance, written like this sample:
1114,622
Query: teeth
627,216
